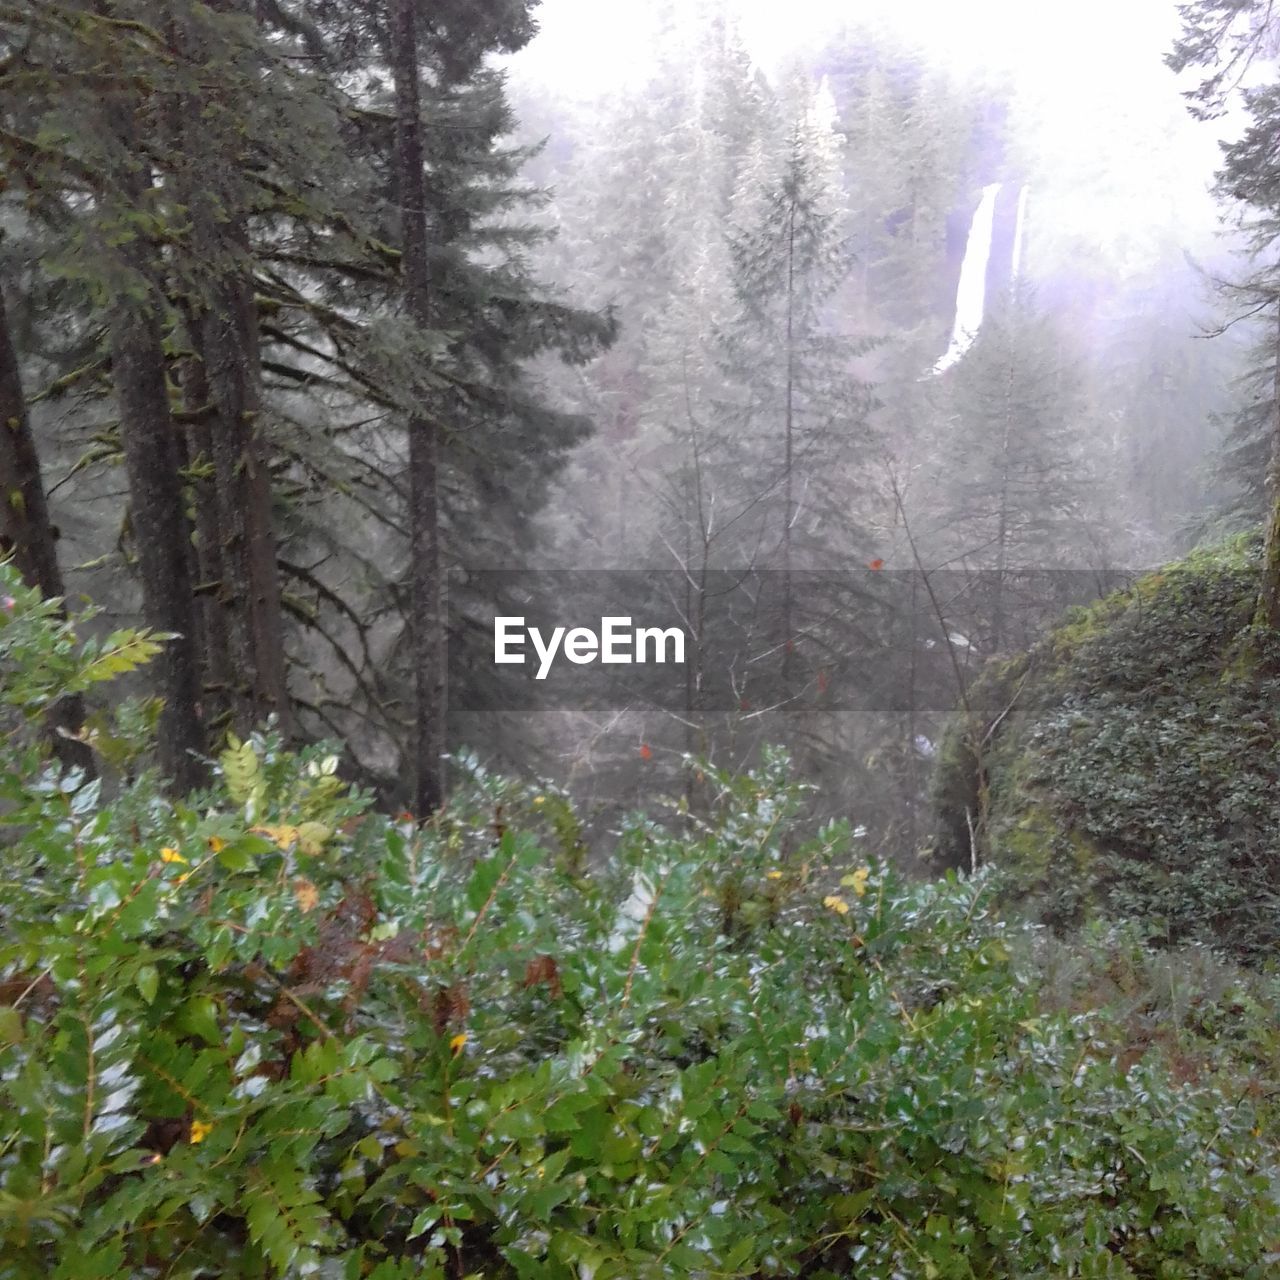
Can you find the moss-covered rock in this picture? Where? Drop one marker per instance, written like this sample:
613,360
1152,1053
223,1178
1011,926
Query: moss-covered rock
1131,762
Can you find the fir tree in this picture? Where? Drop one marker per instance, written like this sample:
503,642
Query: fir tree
1017,491
1223,39
799,410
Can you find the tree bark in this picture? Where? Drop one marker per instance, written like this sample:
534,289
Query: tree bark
427,615
1267,614
246,630
160,531
789,454
218,671
27,531
229,343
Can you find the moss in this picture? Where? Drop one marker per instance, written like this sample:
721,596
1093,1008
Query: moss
1025,845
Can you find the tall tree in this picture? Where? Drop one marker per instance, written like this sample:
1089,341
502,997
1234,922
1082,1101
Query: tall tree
216,150
219,186
1016,489
101,208
426,583
800,403
1224,39
161,534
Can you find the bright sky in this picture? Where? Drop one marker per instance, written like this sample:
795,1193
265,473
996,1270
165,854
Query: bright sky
592,43
1091,86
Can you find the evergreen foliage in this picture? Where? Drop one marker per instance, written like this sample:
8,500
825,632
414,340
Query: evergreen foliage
220,205
1224,39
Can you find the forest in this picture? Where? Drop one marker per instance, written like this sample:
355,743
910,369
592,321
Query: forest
639,641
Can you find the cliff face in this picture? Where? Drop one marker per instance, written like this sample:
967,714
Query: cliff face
1130,763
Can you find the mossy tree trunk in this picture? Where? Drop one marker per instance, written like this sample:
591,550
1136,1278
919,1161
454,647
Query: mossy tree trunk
160,530
427,618
224,323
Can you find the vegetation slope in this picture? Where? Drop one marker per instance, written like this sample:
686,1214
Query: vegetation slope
1130,762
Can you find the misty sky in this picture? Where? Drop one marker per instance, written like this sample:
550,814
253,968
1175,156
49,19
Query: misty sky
1118,161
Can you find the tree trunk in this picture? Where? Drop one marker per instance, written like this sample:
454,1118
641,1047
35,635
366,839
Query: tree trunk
27,532
788,637
160,531
236,507
1267,614
1002,521
208,585
229,343
427,618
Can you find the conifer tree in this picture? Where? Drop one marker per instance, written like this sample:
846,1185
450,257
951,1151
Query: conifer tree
800,409
426,590
95,193
242,203
1223,39
1017,490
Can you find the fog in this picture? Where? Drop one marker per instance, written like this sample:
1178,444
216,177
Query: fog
1004,368
856,342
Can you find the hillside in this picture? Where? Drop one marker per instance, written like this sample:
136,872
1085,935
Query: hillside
1130,762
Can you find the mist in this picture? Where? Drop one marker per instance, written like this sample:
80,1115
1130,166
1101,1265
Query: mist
856,342
1013,270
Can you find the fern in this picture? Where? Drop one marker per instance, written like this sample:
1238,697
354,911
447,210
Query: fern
124,651
242,771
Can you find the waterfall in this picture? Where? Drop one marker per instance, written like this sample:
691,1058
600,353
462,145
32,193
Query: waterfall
1017,235
971,291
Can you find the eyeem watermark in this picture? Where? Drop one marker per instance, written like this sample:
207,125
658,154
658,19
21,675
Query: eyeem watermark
739,642
617,642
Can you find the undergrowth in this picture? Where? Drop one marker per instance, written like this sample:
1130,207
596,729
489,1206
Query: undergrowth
268,1032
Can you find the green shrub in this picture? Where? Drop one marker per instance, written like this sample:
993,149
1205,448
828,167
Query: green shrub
268,1032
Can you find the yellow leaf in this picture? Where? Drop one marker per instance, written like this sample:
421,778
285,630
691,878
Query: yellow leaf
200,1131
306,893
857,881
773,875
171,855
836,904
284,836
240,768
217,844
311,837
457,1042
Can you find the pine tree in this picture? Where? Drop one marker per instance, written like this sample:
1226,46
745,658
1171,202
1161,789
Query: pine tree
427,622
228,223
1017,491
1223,39
800,410
113,237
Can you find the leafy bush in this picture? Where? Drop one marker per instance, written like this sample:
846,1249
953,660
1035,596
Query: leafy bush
268,1032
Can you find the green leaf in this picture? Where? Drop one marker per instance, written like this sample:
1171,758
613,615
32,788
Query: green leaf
148,982
11,1029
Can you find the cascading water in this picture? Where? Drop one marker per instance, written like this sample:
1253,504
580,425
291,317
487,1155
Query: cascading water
971,291
1016,270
